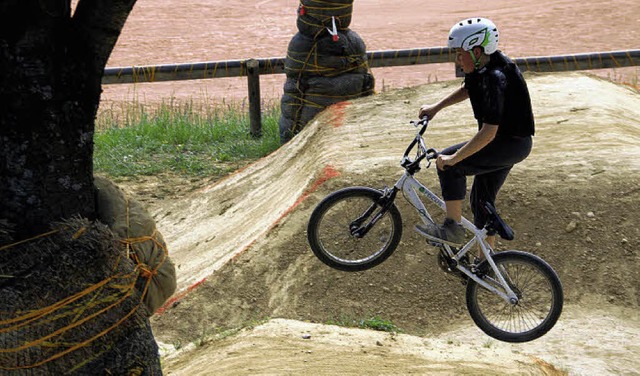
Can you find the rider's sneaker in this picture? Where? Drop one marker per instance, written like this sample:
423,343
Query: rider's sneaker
450,232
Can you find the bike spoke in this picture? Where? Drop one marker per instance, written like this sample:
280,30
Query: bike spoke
534,293
344,246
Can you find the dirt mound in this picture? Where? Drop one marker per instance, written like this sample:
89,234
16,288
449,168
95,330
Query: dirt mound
287,347
242,241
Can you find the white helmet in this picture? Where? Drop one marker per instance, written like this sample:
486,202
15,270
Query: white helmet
473,32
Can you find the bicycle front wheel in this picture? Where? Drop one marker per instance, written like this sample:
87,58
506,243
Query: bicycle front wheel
335,229
539,291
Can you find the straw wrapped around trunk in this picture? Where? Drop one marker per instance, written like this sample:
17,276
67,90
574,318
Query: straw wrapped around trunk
140,239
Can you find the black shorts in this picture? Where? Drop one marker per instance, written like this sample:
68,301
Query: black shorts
490,166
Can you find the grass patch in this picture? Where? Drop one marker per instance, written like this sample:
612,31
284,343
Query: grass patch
206,336
371,323
182,139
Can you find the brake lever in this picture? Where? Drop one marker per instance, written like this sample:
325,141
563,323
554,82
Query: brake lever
419,122
431,153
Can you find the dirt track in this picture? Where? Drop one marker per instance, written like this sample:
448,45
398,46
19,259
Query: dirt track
286,347
568,202
574,201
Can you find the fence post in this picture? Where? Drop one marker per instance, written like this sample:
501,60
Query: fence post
255,116
459,71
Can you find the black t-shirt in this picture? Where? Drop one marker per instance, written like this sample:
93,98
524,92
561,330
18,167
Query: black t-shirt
499,95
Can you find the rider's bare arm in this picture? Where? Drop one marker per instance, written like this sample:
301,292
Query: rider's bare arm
485,135
457,96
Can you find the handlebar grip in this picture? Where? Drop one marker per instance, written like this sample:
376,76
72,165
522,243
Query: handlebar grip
423,121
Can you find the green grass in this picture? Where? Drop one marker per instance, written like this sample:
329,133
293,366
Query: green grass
207,336
372,323
181,139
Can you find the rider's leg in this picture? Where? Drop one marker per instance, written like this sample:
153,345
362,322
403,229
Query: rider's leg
454,186
453,182
454,210
490,166
485,189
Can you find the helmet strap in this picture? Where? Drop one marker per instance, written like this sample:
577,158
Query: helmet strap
476,60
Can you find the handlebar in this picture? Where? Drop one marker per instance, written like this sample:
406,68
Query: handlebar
424,121
423,152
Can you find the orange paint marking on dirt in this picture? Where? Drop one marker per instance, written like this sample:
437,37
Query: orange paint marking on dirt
328,172
178,297
338,111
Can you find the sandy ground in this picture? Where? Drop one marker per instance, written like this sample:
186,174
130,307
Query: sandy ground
242,258
240,243
287,347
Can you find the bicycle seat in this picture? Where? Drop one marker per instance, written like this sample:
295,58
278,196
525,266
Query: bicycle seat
495,224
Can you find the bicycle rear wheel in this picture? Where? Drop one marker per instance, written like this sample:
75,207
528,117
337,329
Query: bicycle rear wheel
334,223
538,289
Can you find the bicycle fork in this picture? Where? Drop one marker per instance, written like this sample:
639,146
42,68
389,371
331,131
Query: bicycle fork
386,200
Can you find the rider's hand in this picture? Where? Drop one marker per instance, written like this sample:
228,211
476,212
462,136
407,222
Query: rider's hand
427,110
445,161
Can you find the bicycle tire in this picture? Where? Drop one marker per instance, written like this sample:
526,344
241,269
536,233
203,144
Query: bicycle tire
540,298
330,236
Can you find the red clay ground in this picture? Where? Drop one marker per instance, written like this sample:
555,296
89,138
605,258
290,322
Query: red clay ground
170,32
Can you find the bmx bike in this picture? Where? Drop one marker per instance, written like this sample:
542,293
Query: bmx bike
512,296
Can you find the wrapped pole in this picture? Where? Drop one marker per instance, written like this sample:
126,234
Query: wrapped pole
326,63
255,115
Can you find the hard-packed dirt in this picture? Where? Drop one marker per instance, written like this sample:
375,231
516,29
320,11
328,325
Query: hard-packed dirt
240,243
242,255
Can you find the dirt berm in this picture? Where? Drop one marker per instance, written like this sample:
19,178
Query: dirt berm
241,254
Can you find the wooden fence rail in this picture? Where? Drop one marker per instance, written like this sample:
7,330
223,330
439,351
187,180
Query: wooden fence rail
377,59
253,68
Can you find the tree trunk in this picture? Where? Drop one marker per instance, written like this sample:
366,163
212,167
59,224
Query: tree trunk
48,99
51,66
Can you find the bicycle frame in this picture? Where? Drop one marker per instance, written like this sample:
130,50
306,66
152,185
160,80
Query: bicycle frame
411,186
